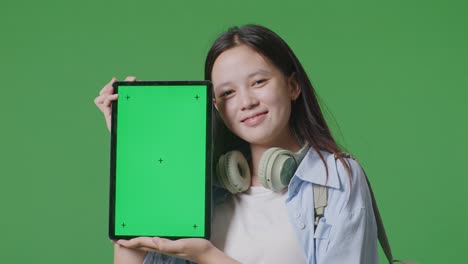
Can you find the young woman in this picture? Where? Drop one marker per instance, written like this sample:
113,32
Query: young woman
264,99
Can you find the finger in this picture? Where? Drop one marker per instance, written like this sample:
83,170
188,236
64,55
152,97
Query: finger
108,100
104,102
149,249
137,242
169,246
108,89
130,78
99,100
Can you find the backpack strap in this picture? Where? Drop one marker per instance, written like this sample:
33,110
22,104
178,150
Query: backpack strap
320,202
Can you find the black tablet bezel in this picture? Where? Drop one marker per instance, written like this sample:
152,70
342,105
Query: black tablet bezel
209,153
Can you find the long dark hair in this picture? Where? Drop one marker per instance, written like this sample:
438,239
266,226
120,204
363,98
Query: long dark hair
306,121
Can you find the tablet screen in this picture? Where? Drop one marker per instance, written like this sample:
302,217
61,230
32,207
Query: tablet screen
161,160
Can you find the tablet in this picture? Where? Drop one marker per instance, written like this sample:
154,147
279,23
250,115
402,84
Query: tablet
160,182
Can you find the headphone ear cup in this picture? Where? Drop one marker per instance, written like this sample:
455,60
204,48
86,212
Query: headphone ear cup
233,172
263,167
276,168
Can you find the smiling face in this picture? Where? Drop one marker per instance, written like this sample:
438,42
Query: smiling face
252,96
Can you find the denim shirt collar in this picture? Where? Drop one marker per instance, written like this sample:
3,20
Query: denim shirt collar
312,169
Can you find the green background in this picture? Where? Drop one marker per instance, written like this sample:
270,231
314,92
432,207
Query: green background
393,74
158,164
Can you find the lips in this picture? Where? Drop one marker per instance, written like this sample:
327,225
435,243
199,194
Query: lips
254,119
254,115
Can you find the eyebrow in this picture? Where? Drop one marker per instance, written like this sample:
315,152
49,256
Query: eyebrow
261,71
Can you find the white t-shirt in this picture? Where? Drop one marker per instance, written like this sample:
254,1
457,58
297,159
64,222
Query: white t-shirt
253,227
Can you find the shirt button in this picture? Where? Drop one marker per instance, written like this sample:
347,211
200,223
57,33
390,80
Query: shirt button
297,214
301,225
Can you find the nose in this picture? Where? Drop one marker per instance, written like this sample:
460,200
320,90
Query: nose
247,100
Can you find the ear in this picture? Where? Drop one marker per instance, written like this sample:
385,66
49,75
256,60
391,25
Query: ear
214,103
294,87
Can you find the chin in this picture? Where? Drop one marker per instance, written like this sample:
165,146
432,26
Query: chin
257,139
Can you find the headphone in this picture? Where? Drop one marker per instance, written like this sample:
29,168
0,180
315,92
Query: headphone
276,168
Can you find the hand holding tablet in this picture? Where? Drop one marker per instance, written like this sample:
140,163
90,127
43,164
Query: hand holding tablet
161,159
105,98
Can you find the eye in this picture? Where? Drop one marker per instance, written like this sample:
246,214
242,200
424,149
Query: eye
259,82
226,93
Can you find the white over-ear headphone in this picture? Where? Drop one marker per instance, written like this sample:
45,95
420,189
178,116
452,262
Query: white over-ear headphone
276,168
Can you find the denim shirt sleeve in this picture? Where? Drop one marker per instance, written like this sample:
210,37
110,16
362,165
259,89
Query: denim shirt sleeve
352,241
353,232
347,233
157,258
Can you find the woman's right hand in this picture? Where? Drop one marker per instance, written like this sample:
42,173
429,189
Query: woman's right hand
104,100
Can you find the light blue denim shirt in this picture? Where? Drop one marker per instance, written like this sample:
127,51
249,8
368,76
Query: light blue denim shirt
347,233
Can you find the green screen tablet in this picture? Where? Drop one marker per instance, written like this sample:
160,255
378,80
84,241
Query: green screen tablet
161,159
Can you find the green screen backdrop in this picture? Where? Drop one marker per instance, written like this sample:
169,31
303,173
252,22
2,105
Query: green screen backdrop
391,76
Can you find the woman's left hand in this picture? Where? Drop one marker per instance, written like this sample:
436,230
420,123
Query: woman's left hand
195,249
